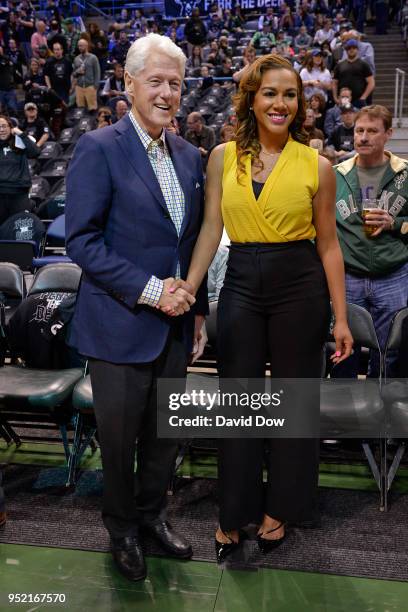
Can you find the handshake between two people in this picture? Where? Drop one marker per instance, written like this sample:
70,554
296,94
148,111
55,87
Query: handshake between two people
177,297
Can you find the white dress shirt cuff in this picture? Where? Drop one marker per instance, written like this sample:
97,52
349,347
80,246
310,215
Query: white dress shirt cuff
151,294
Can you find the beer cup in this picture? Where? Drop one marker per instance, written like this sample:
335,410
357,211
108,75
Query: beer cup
368,206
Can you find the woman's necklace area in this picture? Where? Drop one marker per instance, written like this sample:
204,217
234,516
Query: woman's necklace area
265,152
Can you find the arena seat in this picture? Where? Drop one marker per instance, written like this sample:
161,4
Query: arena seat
56,277
21,237
51,150
40,188
84,424
54,244
69,152
86,124
35,397
353,408
75,114
395,397
12,287
69,136
54,170
54,205
34,166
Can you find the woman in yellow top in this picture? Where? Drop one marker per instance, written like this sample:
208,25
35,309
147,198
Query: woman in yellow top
274,195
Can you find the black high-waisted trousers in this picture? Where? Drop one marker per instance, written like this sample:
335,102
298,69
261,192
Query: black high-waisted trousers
274,307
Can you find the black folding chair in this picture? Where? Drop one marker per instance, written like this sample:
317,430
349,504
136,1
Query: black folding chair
395,396
40,397
12,287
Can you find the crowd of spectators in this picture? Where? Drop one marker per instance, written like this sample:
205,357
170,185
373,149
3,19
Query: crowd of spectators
51,61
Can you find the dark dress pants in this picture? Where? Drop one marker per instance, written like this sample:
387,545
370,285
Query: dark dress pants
126,415
274,306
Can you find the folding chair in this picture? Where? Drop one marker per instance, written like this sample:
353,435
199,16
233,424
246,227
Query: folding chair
51,150
54,170
56,277
353,408
40,188
37,396
69,136
55,243
21,237
54,205
395,396
12,286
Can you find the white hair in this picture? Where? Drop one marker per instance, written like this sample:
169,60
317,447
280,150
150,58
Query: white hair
142,48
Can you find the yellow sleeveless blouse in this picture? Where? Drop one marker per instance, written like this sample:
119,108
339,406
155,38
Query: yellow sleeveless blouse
283,211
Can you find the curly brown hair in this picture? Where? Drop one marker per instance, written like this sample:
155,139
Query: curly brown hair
246,137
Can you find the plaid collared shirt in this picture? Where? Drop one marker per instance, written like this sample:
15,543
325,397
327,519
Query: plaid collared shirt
160,159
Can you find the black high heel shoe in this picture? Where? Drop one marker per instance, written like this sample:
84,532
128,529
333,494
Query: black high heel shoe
265,545
224,549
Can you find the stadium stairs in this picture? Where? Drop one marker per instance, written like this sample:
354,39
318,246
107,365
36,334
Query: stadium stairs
391,53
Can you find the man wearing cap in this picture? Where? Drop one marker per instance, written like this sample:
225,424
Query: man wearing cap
342,139
34,125
315,76
365,48
72,36
354,73
332,118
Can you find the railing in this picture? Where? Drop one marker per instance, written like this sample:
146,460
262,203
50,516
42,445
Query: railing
399,95
111,8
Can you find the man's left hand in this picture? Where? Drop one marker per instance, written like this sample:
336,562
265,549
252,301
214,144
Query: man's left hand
381,219
200,338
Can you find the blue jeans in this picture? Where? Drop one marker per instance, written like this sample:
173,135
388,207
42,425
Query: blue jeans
382,297
8,101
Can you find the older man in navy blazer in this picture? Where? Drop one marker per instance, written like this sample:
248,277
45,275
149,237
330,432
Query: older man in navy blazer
133,213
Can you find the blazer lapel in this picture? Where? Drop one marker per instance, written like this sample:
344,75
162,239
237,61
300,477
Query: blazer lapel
136,154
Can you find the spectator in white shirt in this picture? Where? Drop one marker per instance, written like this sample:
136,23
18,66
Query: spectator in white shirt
315,76
325,33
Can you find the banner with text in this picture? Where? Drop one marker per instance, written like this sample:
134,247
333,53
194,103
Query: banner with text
183,8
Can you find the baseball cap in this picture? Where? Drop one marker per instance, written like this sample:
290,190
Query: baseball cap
30,106
346,108
351,43
316,52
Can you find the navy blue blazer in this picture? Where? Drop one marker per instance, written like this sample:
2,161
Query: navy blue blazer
119,231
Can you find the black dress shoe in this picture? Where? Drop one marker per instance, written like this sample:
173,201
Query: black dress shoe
266,545
171,542
128,556
224,549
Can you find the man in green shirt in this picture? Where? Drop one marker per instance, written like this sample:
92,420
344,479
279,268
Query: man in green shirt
375,248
